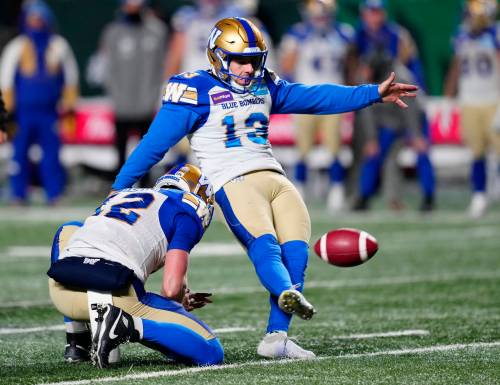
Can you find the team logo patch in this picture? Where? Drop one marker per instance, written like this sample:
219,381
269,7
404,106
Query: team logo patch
180,92
221,97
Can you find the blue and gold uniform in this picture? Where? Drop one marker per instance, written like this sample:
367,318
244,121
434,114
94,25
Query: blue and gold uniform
382,47
133,231
39,78
226,123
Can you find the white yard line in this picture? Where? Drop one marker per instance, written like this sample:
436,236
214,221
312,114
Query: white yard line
172,373
360,282
231,248
238,329
3,331
203,250
63,214
31,330
396,333
384,216
44,214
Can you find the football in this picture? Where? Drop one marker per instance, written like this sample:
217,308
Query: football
346,247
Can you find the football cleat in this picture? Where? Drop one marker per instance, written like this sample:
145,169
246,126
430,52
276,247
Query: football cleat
293,302
278,345
77,347
114,327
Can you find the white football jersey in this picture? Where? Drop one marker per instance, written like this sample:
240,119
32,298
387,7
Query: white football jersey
127,229
320,55
232,139
479,81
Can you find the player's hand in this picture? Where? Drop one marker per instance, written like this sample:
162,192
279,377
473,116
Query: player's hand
391,92
193,301
371,148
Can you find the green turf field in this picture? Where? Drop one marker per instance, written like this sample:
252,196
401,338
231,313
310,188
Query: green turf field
424,310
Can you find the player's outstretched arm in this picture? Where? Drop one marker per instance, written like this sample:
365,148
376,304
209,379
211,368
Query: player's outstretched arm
391,92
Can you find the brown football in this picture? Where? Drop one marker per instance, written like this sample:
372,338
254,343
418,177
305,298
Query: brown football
346,247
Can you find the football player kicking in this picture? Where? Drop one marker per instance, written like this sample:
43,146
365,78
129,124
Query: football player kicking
134,233
224,112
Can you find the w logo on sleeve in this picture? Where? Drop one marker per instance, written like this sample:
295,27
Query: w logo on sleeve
180,92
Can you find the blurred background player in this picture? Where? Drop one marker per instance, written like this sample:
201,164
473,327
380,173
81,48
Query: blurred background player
225,111
129,65
383,47
317,51
134,233
3,120
39,80
474,76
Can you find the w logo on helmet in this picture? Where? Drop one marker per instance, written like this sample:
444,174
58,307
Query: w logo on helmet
213,37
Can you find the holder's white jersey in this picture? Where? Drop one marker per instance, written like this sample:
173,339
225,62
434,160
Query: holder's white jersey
479,81
131,228
321,55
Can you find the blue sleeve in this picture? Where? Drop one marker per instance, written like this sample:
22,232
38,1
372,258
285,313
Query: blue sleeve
323,99
171,124
187,233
